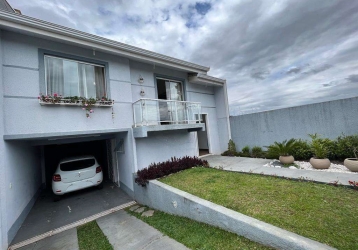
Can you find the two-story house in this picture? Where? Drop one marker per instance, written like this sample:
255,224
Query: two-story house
151,107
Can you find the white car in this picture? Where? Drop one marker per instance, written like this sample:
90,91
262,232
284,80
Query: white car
76,173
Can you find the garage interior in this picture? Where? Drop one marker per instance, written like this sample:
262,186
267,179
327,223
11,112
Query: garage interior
46,214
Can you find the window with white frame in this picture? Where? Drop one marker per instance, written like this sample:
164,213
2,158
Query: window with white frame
74,78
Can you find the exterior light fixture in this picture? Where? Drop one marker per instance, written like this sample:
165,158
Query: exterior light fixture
141,79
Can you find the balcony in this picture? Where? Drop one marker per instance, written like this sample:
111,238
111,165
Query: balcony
160,115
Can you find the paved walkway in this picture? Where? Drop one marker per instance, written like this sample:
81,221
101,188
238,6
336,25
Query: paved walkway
127,232
123,232
254,165
65,240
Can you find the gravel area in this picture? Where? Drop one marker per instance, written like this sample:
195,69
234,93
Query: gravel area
307,166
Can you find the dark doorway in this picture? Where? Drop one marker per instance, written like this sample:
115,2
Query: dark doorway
203,141
162,92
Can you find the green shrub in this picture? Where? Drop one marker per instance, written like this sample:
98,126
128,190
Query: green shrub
282,148
231,146
231,149
302,150
271,154
322,147
257,152
345,145
230,153
245,152
338,149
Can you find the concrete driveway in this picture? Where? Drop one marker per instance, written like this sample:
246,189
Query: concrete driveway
47,215
124,232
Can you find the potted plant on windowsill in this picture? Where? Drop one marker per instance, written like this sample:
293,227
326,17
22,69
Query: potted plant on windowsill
352,163
319,160
283,149
86,103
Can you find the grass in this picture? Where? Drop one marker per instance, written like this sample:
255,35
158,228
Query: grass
91,237
321,212
196,235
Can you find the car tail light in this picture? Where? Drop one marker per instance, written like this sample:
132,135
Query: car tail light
56,177
98,169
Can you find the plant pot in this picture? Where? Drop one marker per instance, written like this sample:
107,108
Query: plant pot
286,159
320,163
351,164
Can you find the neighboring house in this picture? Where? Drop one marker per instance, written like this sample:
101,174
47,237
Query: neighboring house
156,114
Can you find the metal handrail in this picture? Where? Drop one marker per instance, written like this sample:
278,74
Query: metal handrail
147,111
162,100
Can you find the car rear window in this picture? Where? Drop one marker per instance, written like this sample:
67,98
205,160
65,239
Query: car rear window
77,165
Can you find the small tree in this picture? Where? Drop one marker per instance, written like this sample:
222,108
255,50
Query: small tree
231,146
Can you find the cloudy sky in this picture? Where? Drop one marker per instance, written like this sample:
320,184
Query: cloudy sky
273,54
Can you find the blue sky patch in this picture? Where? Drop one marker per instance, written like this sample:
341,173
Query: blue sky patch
202,7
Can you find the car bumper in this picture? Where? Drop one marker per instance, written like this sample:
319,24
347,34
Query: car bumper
60,188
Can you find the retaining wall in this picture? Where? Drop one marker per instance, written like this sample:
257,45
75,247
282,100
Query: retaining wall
174,201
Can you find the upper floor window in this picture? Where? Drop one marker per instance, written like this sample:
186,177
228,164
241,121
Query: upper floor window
74,78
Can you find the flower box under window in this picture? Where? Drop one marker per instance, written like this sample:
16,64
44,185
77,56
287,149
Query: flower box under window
71,102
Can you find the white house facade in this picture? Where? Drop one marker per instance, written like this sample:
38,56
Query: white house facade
151,107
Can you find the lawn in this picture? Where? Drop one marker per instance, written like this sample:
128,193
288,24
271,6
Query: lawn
321,212
91,237
196,235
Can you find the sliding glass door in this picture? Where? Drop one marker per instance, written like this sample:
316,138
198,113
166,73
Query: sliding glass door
170,111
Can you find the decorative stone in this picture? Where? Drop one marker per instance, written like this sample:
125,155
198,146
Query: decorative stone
292,167
140,210
134,208
148,213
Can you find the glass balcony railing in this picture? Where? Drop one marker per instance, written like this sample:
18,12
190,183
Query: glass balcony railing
148,112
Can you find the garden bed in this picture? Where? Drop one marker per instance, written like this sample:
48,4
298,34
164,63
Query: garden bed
307,166
320,212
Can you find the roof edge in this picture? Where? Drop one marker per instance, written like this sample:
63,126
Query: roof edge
206,79
8,18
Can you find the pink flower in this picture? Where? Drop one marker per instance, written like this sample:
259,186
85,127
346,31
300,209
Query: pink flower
86,104
38,97
55,95
83,108
91,111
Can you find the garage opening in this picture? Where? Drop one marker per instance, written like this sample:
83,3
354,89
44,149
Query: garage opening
46,214
100,149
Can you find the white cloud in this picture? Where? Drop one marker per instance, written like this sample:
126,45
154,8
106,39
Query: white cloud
273,54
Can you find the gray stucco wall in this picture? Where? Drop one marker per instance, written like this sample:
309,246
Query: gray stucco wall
23,114
222,118
161,146
210,98
3,228
23,181
126,160
329,119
